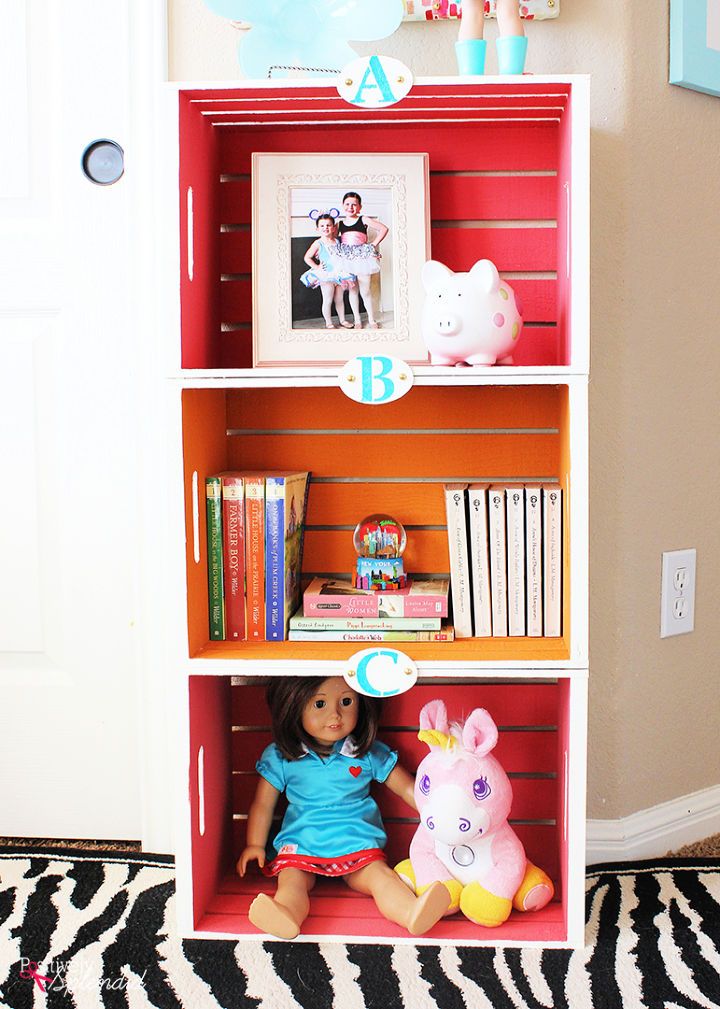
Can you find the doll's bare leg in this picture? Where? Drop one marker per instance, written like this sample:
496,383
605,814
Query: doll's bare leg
354,298
364,282
472,23
508,17
397,902
283,914
327,303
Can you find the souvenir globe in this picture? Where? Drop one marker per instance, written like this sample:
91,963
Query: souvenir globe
379,541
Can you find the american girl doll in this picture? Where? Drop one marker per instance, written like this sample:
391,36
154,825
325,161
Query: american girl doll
324,758
358,252
328,273
511,42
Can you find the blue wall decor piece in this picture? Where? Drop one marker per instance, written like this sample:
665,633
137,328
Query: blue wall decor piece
310,35
695,44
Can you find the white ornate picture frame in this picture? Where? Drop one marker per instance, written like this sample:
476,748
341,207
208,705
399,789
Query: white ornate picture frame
283,188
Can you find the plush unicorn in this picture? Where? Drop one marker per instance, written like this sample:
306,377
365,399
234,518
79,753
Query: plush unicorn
464,840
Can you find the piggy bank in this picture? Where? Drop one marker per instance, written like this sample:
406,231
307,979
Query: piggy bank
469,318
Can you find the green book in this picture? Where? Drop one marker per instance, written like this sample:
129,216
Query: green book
216,601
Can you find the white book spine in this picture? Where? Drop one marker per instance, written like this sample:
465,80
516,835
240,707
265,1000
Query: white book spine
479,560
552,561
498,561
455,497
533,554
515,505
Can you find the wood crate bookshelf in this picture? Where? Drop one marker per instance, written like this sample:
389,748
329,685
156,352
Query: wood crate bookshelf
509,181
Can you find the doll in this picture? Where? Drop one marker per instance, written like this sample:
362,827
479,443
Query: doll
358,251
511,42
327,273
324,758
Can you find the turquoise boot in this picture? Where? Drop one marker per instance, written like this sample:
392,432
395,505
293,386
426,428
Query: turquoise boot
470,55
511,50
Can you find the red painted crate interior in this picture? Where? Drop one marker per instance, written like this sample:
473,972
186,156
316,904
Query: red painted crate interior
500,181
392,458
229,726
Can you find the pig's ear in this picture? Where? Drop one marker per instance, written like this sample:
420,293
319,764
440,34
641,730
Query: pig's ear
435,274
485,276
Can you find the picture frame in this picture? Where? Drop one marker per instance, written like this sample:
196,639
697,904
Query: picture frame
695,45
289,192
450,10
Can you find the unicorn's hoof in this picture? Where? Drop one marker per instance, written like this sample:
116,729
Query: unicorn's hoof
483,907
536,890
406,873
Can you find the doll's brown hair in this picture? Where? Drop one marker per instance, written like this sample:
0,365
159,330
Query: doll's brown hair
286,698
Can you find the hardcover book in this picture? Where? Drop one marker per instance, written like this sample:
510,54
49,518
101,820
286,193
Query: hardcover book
216,602
515,513
456,514
446,634
285,502
533,558
298,622
255,555
552,560
339,598
233,513
479,560
498,561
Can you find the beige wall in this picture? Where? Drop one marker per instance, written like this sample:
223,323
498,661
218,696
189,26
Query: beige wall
654,421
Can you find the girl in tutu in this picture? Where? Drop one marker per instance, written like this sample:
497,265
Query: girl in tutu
328,272
358,253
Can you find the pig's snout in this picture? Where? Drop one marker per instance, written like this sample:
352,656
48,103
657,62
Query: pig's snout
448,324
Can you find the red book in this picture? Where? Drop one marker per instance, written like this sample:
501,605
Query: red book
233,499
338,598
255,556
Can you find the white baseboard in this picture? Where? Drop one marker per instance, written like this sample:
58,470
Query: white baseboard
651,833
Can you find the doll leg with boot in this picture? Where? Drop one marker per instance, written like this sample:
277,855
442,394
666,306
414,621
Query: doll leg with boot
283,914
511,42
396,901
470,46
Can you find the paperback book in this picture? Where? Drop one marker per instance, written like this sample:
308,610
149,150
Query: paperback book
552,560
285,502
498,561
216,602
446,634
457,527
298,622
479,560
533,552
233,525
515,514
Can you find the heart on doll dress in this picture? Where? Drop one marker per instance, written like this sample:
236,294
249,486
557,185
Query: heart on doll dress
355,771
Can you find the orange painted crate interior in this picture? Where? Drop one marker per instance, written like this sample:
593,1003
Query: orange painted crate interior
230,722
392,458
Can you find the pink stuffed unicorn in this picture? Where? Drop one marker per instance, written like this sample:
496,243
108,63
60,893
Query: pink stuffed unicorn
464,840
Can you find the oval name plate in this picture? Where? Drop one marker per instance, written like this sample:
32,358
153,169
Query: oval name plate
380,672
374,82
375,378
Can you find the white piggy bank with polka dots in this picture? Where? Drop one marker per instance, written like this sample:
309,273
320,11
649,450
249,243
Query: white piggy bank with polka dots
469,318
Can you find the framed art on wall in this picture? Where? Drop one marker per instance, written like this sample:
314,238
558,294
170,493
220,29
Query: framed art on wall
339,242
695,45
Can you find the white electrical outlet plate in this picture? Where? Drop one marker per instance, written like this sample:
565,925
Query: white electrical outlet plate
677,600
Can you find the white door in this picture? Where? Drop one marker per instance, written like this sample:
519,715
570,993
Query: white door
74,341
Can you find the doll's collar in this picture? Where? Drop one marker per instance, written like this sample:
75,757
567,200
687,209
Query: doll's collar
345,747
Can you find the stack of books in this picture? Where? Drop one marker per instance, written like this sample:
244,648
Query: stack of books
255,524
505,544
334,610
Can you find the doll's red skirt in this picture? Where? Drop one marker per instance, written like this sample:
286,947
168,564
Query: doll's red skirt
343,865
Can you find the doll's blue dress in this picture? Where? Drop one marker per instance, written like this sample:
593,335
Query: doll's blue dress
332,825
331,269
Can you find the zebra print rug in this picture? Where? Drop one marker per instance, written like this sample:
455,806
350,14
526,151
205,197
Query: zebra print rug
95,929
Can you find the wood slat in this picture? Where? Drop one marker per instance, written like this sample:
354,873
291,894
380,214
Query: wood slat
364,455
521,249
345,504
423,408
493,198
451,146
